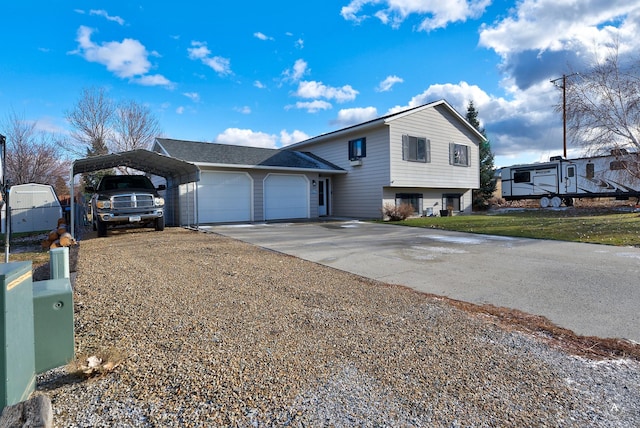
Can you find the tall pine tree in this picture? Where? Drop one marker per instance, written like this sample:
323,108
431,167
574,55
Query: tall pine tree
482,195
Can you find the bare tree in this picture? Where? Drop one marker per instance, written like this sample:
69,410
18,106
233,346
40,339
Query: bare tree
603,105
135,127
32,156
91,119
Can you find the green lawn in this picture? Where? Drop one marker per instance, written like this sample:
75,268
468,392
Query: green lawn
599,226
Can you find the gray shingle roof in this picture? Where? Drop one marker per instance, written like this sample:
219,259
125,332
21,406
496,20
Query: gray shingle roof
226,154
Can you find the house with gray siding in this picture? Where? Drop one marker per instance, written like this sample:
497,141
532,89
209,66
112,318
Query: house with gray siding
426,156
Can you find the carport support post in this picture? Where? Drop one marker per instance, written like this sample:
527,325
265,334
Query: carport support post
72,191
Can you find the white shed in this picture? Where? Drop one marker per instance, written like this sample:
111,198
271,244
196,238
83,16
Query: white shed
34,207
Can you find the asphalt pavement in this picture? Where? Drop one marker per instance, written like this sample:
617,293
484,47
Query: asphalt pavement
593,290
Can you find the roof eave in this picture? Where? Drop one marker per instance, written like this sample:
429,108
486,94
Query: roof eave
266,167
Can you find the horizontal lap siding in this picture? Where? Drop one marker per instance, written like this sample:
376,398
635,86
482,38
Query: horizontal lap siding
359,192
431,198
440,127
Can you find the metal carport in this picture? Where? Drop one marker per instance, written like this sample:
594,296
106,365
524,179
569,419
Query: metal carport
177,172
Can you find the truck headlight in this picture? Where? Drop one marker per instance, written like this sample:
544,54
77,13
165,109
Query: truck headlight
103,205
158,201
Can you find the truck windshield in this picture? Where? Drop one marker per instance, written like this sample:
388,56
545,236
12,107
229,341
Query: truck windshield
126,182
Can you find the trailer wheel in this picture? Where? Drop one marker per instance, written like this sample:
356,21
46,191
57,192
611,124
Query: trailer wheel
544,202
556,202
568,202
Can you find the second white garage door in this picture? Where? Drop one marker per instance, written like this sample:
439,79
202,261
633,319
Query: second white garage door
286,196
224,197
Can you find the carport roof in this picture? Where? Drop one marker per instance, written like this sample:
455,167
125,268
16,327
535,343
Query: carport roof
144,160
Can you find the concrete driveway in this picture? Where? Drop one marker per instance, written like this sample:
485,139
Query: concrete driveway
591,289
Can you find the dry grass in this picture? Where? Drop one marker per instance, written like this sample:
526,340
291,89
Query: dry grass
558,337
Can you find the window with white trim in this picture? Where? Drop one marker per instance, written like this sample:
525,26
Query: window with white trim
416,149
357,149
459,154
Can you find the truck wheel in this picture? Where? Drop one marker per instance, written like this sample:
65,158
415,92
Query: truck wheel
159,224
102,228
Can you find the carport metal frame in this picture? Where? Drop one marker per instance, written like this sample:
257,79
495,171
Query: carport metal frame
175,171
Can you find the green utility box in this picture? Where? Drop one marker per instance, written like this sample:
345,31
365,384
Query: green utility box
17,356
53,323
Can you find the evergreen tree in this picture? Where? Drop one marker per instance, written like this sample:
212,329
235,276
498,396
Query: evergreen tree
482,195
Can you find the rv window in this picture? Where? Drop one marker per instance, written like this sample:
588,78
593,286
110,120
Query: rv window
570,172
616,165
522,177
590,171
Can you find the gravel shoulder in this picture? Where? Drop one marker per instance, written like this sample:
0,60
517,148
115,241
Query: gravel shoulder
204,330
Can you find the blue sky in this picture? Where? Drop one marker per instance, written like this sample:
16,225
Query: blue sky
273,73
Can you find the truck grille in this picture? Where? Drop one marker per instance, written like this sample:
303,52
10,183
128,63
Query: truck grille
132,201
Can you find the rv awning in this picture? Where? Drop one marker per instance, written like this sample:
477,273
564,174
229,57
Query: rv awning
179,171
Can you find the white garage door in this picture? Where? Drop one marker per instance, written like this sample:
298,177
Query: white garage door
286,196
224,197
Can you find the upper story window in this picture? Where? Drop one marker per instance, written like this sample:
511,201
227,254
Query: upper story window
357,149
459,154
416,149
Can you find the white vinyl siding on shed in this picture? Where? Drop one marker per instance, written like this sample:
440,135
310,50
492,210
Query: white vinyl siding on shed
224,197
286,196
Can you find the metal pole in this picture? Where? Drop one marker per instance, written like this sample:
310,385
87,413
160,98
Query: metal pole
563,86
564,115
5,197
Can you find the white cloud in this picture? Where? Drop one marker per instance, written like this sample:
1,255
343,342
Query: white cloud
313,89
126,59
299,69
258,84
243,109
104,14
387,84
200,51
180,110
153,80
296,136
541,38
311,106
353,116
261,36
299,44
193,96
247,137
438,13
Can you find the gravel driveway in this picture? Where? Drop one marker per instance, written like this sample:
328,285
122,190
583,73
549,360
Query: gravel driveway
209,331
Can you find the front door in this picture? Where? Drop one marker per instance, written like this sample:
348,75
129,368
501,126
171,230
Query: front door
323,196
570,179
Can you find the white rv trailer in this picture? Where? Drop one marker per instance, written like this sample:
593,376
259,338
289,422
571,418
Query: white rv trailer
561,180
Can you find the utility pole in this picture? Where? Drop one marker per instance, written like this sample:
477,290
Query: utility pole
563,86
